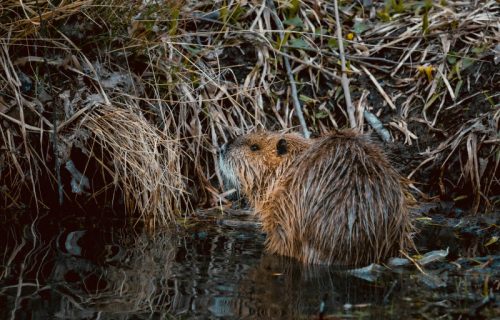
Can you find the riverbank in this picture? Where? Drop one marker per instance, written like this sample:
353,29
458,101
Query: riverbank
124,104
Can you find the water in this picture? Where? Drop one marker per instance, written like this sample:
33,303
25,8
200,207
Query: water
65,266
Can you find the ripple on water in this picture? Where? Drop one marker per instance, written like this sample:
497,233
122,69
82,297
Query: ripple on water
87,267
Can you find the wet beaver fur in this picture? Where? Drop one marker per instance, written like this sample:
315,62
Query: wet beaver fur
331,200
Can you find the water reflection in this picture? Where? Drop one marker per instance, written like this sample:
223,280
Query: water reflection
68,267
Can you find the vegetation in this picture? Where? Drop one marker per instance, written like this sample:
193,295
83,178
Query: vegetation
126,102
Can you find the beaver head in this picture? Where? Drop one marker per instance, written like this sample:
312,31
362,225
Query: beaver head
251,162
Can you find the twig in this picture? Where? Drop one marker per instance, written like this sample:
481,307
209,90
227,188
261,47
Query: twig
360,108
407,55
293,86
421,165
72,118
344,80
27,126
379,88
311,65
447,84
417,265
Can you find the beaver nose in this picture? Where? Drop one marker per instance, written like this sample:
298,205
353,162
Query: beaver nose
222,150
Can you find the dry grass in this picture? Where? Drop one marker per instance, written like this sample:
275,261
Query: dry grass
144,164
203,72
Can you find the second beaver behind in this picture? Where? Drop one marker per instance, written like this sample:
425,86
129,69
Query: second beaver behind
332,200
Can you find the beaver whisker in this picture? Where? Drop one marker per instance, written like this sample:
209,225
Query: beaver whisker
229,177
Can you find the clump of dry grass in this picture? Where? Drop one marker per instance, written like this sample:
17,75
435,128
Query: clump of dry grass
474,149
19,167
144,163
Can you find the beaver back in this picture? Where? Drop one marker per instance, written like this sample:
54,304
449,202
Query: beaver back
340,201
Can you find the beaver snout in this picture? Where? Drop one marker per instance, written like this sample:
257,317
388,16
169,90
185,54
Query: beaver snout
230,181
222,150
225,147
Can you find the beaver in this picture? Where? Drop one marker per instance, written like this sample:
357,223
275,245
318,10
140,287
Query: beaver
330,200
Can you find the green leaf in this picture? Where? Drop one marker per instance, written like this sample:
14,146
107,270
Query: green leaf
490,99
307,100
456,69
295,21
174,21
321,114
236,14
332,43
491,241
451,57
398,6
320,31
194,50
384,15
466,62
360,27
432,100
425,22
224,12
425,18
478,50
458,87
299,44
294,8
428,5
283,41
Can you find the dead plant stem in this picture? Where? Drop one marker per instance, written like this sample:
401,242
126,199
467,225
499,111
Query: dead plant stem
344,79
293,86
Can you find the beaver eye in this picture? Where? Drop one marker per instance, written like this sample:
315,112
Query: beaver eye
254,147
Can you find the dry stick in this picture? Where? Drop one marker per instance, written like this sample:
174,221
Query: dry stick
293,86
26,126
308,64
379,88
407,55
414,262
73,117
296,101
344,80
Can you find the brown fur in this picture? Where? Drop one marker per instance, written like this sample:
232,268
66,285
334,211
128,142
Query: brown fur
332,200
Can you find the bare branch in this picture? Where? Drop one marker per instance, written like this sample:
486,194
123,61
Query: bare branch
344,80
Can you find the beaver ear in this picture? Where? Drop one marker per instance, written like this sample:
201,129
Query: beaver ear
282,147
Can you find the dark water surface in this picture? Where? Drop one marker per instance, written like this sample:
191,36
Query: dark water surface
65,266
